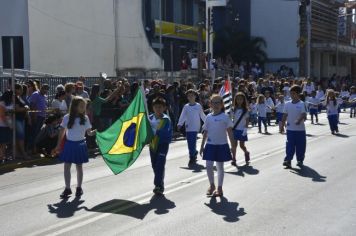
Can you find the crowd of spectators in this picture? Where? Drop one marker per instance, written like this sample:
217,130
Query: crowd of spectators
38,117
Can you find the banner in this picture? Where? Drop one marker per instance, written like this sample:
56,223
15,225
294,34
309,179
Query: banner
342,22
178,31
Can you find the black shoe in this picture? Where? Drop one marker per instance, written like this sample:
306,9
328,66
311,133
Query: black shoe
66,193
300,163
79,192
233,163
287,164
158,190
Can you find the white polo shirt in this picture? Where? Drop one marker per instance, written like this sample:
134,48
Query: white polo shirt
191,116
294,111
216,126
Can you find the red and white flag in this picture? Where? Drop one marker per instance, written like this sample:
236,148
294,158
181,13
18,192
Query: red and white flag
226,94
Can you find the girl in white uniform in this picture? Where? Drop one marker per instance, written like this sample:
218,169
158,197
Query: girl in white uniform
240,120
217,127
332,105
75,126
262,113
352,101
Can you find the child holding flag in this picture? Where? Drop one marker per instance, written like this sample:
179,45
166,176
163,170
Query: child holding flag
74,125
162,130
217,126
191,115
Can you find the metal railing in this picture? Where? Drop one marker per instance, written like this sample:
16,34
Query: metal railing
25,73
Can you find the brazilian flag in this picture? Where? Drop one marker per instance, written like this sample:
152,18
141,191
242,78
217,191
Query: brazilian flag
122,143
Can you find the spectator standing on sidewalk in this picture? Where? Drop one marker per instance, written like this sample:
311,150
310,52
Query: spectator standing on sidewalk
38,103
58,103
5,124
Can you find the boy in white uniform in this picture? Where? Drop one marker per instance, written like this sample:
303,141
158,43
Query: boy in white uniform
191,115
270,106
295,115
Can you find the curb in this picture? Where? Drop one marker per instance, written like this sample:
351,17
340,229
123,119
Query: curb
36,161
24,163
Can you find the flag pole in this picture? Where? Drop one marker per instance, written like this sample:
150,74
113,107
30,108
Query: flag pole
231,100
144,99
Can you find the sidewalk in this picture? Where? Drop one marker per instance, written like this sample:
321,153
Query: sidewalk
41,160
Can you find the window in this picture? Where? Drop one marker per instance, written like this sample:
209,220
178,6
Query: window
18,52
187,12
332,60
167,10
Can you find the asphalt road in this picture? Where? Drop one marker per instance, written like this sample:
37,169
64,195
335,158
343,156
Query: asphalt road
262,199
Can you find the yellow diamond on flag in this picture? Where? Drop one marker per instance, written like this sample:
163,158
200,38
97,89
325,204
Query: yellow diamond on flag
127,140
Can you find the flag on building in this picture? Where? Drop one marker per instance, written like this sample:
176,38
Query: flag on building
226,94
122,143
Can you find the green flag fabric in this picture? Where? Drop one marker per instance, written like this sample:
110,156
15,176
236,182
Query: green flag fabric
122,143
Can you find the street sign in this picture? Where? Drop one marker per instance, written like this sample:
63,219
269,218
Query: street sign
216,3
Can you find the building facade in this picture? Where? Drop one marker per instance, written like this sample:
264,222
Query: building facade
77,37
173,30
283,26
332,48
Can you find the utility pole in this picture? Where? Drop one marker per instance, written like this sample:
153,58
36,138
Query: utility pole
13,98
200,50
308,48
160,33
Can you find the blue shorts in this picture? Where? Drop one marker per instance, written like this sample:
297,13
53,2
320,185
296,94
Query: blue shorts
219,153
279,116
239,137
313,111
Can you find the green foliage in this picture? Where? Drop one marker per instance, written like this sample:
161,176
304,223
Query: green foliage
239,46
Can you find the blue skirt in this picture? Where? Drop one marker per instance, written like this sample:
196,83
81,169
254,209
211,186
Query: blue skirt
74,152
219,153
239,137
5,135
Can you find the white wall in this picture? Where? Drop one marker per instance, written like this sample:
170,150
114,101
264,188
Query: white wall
14,22
72,37
277,21
133,49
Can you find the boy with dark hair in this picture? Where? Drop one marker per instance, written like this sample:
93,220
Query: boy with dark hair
162,130
295,115
191,117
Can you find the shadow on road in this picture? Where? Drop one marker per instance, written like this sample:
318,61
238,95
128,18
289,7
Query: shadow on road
341,123
246,169
65,208
320,124
229,210
195,168
342,136
308,172
160,204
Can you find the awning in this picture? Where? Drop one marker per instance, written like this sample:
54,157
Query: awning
332,47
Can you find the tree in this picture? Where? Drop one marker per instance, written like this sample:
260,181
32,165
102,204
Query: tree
239,46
